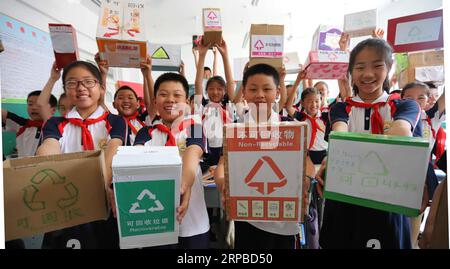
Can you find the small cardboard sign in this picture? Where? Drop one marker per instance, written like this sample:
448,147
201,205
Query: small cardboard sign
416,32
360,23
48,193
267,46
64,41
377,171
165,57
264,171
291,62
147,183
326,38
212,19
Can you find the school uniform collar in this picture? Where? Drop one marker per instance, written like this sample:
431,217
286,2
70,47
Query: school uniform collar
274,117
383,98
73,114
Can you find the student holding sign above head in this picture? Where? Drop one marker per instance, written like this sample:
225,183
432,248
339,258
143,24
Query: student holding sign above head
86,127
173,128
260,89
214,114
350,226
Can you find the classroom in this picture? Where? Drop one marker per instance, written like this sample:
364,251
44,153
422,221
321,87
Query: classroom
211,124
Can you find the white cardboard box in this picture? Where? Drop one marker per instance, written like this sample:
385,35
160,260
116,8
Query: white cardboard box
326,38
360,23
146,186
165,57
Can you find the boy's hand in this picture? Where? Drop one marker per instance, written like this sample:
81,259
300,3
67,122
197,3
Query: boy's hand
283,73
102,65
55,73
181,70
112,201
185,193
378,33
343,42
146,66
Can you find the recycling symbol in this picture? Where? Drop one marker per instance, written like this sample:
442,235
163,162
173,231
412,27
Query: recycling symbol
30,192
262,186
136,208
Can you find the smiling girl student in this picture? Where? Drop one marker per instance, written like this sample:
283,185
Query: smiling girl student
369,111
86,127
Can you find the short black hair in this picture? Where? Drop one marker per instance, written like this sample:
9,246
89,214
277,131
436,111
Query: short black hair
52,101
309,91
172,77
431,85
207,69
125,88
415,84
262,69
396,91
90,67
321,82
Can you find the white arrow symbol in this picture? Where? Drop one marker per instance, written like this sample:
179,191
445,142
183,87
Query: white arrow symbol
148,193
159,207
134,210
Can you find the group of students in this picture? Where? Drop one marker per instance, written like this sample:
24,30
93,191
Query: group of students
194,124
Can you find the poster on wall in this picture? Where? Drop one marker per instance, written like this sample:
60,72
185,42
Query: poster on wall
26,60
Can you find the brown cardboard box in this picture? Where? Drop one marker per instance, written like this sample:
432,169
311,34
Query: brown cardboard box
420,59
266,45
47,193
212,26
64,41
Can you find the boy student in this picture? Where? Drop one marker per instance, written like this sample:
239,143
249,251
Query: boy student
173,128
28,131
260,89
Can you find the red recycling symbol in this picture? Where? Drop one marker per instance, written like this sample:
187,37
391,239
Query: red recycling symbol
259,45
212,16
259,185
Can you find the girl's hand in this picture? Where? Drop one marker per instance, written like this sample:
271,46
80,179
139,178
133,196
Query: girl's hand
102,65
222,48
344,41
146,66
378,33
202,49
55,73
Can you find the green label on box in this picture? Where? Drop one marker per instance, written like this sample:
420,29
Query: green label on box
146,207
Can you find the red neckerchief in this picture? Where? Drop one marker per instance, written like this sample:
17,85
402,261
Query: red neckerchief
440,143
376,121
29,124
314,127
164,129
86,136
133,117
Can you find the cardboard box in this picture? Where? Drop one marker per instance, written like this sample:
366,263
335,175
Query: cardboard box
291,62
416,32
267,45
212,26
165,57
49,193
121,37
360,23
326,38
377,171
327,64
434,60
264,171
65,45
147,183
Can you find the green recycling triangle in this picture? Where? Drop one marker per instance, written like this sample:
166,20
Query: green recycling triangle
136,208
161,53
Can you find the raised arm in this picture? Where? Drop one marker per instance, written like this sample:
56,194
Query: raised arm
202,50
283,91
291,98
215,62
441,103
44,97
223,49
149,93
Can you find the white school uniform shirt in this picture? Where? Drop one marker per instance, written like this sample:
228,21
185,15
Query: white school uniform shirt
26,142
196,220
357,114
71,138
213,124
319,143
278,227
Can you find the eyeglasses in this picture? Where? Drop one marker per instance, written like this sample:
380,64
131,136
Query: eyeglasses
87,83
